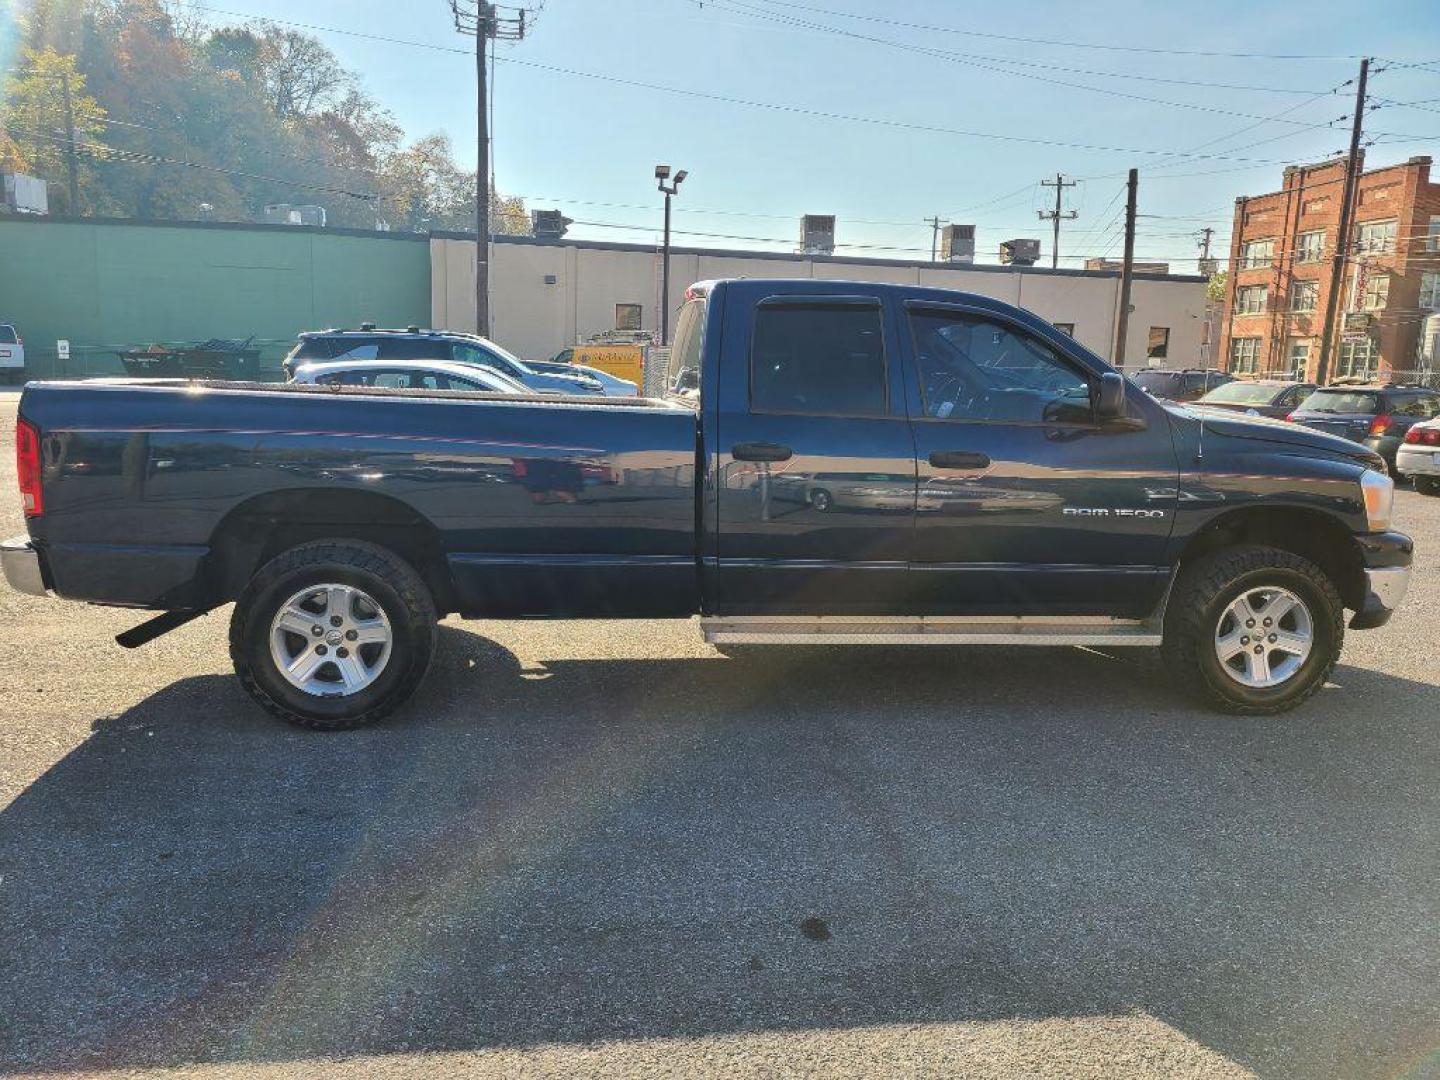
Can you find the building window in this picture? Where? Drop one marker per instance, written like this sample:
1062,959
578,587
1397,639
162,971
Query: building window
1375,238
627,316
1250,299
1297,358
1310,246
1358,358
1377,292
1430,290
1065,327
1157,345
1255,253
1304,295
1244,355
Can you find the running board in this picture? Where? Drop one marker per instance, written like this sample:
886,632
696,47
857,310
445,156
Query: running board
928,630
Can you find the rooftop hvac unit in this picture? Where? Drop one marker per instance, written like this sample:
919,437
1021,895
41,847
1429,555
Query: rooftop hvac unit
291,214
957,244
1020,252
549,224
817,234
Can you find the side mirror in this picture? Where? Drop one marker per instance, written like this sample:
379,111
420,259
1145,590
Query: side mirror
1110,397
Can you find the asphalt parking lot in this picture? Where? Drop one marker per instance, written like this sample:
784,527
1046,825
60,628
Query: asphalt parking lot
602,849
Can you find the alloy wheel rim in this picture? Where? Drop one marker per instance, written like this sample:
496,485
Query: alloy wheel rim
1264,636
331,640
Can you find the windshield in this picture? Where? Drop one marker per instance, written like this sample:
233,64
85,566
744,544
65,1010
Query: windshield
1156,382
1242,393
1341,401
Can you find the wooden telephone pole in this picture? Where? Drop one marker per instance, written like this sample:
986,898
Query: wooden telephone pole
486,22
1127,271
1342,242
1059,184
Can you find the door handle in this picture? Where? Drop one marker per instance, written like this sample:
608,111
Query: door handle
959,459
760,451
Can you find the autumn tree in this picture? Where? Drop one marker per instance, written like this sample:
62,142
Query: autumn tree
33,138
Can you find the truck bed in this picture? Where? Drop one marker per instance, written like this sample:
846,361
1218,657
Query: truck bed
532,502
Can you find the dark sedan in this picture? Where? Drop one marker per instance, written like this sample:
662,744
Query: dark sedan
1275,398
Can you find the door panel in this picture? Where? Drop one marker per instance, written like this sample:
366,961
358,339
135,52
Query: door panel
815,461
1026,505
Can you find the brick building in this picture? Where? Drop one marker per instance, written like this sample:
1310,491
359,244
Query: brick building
1281,270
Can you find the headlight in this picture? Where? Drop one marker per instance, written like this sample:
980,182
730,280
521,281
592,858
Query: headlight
1378,491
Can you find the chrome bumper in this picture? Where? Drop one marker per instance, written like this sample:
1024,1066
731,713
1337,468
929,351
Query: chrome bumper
21,563
1388,585
1384,589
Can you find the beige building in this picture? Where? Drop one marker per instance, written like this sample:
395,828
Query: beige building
546,295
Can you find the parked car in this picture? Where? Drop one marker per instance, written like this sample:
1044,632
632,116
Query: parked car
1064,506
613,384
12,354
368,343
1378,416
409,375
1419,456
1275,398
1186,385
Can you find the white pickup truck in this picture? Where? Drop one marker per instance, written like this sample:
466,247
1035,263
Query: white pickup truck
12,354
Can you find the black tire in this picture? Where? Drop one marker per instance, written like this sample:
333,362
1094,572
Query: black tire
821,500
1427,485
1198,601
382,575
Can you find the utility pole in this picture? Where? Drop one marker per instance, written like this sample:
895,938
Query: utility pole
485,21
934,224
70,163
1342,242
1122,318
1059,184
1205,235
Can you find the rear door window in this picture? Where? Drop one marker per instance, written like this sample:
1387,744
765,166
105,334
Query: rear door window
819,359
413,348
346,350
8,335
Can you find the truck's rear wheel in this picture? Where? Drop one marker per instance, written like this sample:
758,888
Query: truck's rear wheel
333,634
1252,629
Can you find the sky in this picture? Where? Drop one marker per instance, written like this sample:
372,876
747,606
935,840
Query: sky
889,114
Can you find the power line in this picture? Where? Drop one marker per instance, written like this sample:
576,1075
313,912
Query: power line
934,129
748,9
962,58
1066,44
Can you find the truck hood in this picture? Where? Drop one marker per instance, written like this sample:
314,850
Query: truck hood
1263,429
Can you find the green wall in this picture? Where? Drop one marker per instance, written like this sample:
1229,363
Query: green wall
110,284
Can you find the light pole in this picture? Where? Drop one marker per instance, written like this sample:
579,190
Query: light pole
662,173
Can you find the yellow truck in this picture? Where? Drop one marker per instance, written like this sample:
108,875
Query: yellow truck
624,361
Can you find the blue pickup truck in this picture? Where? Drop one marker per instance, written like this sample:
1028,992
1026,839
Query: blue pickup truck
836,463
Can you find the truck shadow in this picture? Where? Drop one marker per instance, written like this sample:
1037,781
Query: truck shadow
615,849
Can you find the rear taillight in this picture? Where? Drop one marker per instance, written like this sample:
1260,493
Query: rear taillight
1290,417
1423,436
1380,424
27,464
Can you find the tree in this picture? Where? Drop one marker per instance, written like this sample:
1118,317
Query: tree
1215,287
32,119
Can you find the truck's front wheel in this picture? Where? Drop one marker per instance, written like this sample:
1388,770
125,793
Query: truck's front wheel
333,634
1253,629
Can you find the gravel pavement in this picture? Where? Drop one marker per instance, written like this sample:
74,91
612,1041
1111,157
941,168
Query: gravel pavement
601,849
